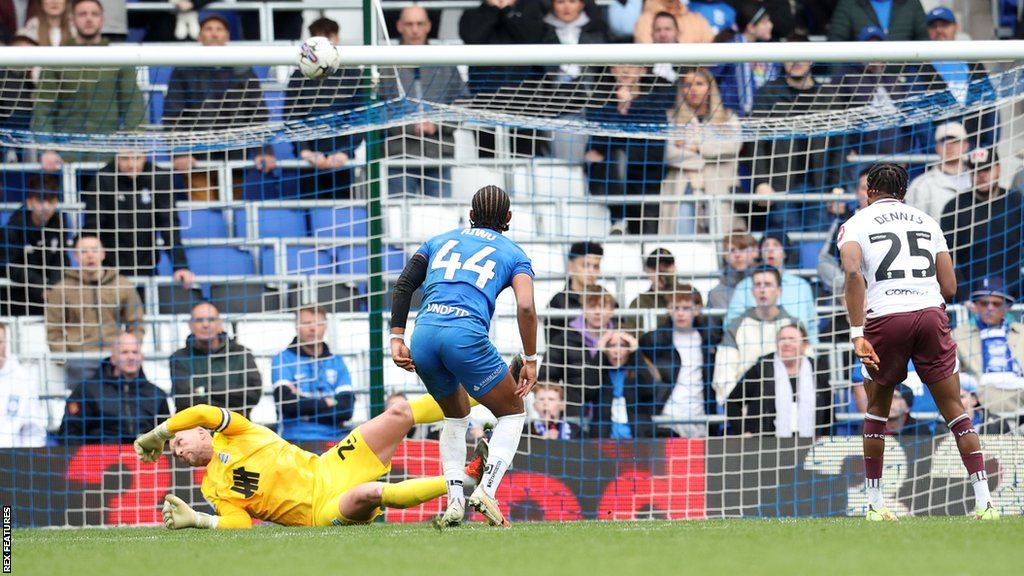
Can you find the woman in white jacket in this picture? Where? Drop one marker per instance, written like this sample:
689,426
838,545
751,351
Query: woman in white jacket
23,418
705,160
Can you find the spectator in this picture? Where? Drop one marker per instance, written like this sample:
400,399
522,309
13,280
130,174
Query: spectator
830,270
574,357
426,139
33,250
550,423
740,254
785,394
212,368
966,83
24,421
991,347
900,422
943,182
665,30
17,92
15,13
130,206
797,297
899,19
340,93
312,387
504,22
984,421
794,165
180,24
751,335
110,101
567,87
89,308
117,404
738,82
705,161
720,15
692,26
681,357
619,166
584,268
623,402
660,267
985,227
622,17
51,26
210,98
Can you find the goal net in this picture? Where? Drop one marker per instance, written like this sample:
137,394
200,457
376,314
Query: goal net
230,234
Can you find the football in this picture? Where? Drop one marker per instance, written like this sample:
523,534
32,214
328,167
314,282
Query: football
318,58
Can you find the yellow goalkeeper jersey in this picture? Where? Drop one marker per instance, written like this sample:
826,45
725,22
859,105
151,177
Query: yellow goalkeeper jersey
254,472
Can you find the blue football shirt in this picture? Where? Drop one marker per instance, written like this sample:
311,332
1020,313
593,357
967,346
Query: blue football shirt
466,270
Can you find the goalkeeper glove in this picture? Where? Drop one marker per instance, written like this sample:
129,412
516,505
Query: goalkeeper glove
178,515
150,445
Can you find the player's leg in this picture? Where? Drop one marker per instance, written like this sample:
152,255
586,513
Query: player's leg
936,363
875,417
452,445
946,393
385,432
508,408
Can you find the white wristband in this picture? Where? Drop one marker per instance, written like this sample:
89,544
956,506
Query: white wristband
397,337
531,357
856,332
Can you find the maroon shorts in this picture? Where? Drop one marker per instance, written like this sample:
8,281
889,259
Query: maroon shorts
922,336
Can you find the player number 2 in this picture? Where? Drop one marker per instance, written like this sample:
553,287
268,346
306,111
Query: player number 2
913,239
452,261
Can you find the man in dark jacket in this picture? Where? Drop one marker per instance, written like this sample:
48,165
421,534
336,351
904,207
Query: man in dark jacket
211,98
985,227
117,404
212,369
130,206
340,93
33,247
679,359
900,19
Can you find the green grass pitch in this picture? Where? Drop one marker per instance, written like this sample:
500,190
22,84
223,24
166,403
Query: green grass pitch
926,546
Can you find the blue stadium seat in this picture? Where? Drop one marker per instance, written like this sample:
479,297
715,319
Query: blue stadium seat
219,260
274,223
301,260
339,222
809,251
354,259
5,217
202,224
158,76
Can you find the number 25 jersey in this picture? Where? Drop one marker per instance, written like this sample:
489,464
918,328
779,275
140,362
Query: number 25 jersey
466,270
899,244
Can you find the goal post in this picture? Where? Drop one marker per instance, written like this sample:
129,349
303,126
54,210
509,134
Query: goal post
248,214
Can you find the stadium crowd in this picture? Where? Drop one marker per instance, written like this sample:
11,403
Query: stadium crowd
606,374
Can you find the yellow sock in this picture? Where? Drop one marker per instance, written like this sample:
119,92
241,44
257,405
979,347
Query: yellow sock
425,410
412,492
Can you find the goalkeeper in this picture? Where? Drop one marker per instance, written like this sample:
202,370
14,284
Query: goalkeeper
251,472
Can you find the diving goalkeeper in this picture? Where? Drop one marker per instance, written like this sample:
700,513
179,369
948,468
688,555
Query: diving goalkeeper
251,472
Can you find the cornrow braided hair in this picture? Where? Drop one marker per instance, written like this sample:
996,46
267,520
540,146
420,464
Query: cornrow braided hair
889,178
490,208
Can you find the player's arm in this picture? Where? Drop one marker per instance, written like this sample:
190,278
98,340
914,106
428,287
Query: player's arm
412,277
526,315
856,295
178,515
150,445
946,275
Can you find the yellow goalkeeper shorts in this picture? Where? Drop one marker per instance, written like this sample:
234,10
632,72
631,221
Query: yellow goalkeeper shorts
346,465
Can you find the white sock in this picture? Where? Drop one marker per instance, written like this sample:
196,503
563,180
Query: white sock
453,455
875,499
982,497
503,445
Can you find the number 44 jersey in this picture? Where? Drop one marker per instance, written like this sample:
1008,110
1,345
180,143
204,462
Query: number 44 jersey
466,270
899,244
